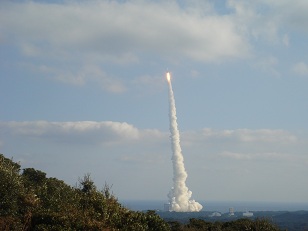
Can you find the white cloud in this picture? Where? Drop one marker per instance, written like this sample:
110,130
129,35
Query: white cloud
240,143
80,42
254,156
76,132
111,150
83,132
218,146
112,28
257,24
290,13
80,76
240,135
301,68
270,21
265,135
72,35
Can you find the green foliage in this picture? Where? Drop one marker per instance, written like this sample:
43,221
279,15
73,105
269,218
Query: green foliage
240,224
154,222
248,224
175,226
31,201
11,187
198,224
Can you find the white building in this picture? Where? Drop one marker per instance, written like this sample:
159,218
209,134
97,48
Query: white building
215,214
231,211
247,214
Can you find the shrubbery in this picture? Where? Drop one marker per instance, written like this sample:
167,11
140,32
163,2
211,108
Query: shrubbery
31,201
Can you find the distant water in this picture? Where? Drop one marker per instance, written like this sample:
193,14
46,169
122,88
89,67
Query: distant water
220,206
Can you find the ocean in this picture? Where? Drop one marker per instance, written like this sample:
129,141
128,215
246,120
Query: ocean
220,206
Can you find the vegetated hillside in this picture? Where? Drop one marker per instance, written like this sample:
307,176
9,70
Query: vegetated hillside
31,201
290,221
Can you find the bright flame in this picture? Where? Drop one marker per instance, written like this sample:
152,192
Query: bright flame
168,76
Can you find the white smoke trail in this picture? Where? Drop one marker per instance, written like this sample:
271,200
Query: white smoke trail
179,195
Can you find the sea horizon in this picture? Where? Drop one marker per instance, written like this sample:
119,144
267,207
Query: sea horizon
221,206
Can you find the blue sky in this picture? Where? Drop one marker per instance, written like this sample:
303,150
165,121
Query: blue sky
83,90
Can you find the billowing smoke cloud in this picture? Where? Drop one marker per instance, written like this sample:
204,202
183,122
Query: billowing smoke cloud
179,196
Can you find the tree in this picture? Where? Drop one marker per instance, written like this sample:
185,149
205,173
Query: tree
11,190
31,201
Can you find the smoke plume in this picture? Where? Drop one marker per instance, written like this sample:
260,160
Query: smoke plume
179,195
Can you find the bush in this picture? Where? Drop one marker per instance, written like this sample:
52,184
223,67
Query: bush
31,201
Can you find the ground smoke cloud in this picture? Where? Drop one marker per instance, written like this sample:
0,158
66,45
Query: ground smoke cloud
179,195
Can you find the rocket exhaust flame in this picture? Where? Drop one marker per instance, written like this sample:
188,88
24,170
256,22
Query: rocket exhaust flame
179,195
168,77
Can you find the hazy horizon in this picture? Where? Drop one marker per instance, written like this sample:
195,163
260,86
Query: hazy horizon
222,206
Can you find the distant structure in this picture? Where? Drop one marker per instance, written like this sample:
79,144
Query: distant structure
215,214
231,211
247,214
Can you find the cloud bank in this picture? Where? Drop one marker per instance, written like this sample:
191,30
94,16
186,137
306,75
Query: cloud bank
111,28
124,155
75,42
122,133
